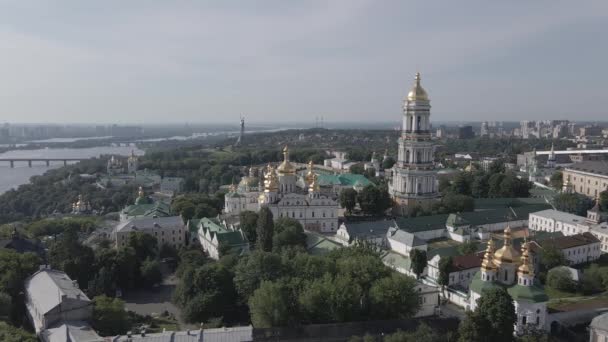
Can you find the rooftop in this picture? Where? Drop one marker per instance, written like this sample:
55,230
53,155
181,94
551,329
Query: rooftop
599,167
364,229
48,288
344,179
71,331
148,223
565,242
233,334
600,322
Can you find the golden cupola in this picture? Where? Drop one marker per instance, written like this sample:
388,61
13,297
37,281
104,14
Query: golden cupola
271,181
507,253
526,267
314,184
286,167
488,263
310,174
417,93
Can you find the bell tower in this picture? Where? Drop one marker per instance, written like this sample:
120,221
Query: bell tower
414,180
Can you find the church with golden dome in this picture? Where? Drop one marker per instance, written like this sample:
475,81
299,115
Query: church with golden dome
286,194
513,270
414,178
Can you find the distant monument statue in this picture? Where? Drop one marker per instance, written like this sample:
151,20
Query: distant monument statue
239,141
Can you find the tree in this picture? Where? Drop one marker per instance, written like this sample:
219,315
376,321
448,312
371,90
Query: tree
109,316
357,169
388,163
187,212
468,247
288,232
248,224
127,268
5,305
604,200
265,229
145,245
394,296
444,185
494,183
204,210
561,279
9,333
374,200
551,256
480,185
557,180
69,255
462,184
445,267
595,279
572,203
150,272
453,203
492,320
269,305
255,268
348,199
418,261
423,333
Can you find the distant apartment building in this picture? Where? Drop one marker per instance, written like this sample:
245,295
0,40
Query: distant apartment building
590,131
465,132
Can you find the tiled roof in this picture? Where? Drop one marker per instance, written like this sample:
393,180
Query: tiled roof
363,229
404,237
571,241
76,331
465,262
599,167
147,223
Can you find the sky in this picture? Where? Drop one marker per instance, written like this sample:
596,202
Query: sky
157,61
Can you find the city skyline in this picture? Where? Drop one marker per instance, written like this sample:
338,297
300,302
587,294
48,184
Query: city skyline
275,62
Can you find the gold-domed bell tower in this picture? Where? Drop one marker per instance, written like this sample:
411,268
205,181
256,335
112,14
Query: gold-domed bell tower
506,260
488,268
525,271
414,179
287,174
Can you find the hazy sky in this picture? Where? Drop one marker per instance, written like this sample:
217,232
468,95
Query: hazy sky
210,61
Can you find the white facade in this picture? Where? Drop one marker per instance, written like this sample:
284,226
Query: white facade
569,224
414,179
287,196
428,299
167,230
460,277
598,329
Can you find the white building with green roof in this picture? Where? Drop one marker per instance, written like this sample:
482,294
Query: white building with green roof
514,271
217,239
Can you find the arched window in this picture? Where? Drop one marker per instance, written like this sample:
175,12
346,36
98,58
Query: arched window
407,156
506,275
418,159
418,123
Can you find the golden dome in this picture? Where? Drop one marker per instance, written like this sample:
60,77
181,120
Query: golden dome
487,263
525,267
314,185
271,182
140,192
286,166
506,254
417,93
310,174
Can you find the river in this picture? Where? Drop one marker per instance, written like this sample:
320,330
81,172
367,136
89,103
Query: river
13,177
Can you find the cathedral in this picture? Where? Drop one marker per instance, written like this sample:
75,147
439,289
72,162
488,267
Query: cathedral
514,271
414,179
286,194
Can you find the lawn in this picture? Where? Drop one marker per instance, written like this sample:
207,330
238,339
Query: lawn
579,303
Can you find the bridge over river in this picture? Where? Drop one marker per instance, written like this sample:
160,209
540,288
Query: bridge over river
48,161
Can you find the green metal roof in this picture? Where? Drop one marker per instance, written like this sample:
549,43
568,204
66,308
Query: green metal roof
344,179
422,223
318,245
158,209
518,292
397,260
534,293
225,236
